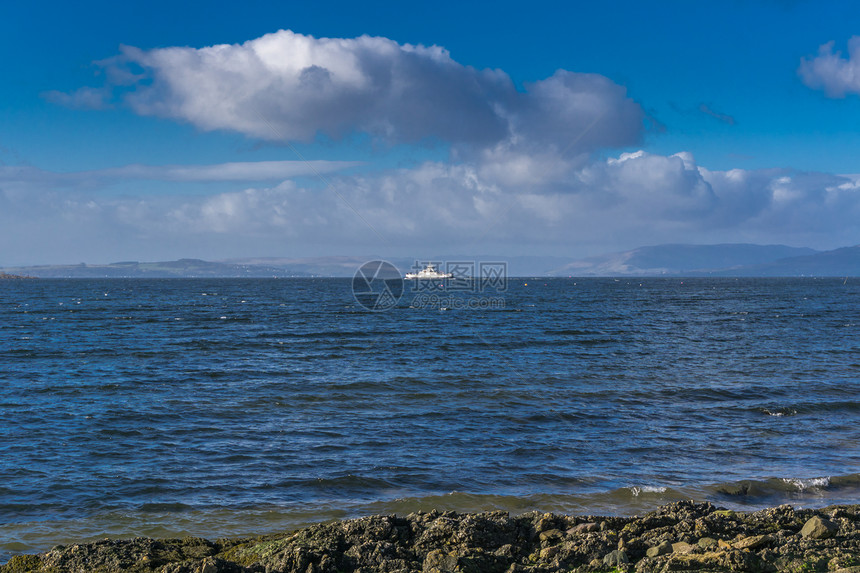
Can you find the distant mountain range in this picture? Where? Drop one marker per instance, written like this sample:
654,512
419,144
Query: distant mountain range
680,259
729,260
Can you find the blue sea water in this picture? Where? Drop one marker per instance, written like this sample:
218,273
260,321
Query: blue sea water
233,406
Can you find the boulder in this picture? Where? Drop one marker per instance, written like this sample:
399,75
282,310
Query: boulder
583,528
662,549
615,558
819,528
682,547
752,542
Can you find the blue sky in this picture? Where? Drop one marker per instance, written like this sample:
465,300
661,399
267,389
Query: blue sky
162,130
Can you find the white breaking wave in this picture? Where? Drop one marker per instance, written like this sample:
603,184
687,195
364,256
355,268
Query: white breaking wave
636,490
780,412
809,483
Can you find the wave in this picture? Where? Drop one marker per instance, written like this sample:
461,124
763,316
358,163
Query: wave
790,489
809,408
636,490
778,412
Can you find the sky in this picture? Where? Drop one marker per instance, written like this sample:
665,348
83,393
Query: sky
218,130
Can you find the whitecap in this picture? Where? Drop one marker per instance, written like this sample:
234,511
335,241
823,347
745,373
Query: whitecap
809,483
636,490
779,412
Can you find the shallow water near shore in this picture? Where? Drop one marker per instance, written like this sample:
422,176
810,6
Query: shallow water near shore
236,406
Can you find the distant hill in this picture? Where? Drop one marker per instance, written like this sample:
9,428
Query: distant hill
308,266
189,268
679,260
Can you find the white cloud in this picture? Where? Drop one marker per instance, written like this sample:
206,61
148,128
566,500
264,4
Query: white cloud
292,86
523,175
622,202
831,72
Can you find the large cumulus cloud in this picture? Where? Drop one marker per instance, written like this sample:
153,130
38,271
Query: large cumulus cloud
292,86
532,170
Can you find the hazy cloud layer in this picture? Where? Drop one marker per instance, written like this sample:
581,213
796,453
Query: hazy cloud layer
831,72
82,98
621,202
234,171
19,179
291,86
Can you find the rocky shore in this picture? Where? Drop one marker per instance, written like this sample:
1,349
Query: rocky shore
683,536
8,276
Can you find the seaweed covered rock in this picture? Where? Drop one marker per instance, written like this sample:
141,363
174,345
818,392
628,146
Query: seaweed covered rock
683,536
140,554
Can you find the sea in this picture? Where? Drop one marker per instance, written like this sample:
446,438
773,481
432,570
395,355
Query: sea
229,407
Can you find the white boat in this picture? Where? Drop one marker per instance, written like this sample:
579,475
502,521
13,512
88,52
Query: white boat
429,272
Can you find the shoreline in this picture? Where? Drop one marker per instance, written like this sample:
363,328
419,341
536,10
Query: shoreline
680,536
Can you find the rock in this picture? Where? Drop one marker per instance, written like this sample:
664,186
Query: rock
615,558
550,535
547,553
844,564
719,561
707,542
658,550
682,547
22,563
819,528
215,565
753,542
546,522
583,528
438,561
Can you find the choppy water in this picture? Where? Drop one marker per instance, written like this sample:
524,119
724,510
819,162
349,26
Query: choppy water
222,407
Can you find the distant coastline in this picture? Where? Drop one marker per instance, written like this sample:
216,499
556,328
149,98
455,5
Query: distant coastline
6,276
671,260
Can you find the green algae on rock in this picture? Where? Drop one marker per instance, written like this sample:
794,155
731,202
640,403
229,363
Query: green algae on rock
682,536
